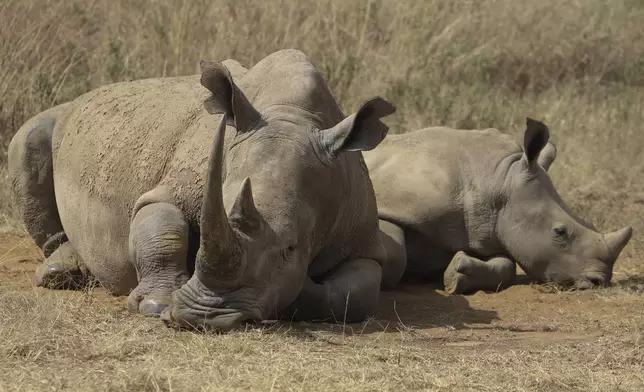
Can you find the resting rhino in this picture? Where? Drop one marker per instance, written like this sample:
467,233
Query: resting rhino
468,204
124,181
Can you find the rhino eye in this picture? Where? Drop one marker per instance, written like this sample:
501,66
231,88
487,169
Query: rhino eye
561,233
288,251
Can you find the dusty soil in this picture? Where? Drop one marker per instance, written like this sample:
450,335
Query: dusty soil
525,338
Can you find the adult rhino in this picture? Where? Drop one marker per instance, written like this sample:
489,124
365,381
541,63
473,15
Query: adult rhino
127,174
468,204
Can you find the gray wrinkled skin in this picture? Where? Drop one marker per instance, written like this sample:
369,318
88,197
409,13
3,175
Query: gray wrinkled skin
468,204
274,213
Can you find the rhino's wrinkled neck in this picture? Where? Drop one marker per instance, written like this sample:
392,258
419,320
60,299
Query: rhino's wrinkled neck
484,198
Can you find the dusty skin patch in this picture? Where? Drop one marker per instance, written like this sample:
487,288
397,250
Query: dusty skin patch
527,338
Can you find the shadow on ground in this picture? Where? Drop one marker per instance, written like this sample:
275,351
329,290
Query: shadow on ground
409,307
425,306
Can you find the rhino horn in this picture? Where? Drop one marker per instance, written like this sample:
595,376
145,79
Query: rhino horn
244,215
217,240
617,240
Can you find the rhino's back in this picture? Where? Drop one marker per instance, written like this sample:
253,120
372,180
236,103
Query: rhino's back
420,176
114,144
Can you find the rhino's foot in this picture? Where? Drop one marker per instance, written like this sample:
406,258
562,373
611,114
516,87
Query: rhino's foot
466,274
63,270
456,279
150,303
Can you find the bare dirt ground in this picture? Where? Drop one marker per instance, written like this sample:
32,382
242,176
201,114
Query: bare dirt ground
527,338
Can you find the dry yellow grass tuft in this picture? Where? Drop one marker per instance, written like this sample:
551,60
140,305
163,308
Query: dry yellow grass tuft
577,65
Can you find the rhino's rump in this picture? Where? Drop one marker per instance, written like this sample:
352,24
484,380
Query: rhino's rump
115,144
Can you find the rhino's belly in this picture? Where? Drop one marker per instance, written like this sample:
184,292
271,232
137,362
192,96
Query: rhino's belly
99,232
424,256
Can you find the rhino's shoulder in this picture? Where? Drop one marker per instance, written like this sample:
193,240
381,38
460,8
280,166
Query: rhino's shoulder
127,133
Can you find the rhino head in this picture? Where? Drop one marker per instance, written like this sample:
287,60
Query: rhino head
258,237
540,231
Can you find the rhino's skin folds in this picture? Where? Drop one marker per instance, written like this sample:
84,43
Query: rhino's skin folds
465,205
244,200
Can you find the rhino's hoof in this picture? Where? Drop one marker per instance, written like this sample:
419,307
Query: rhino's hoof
154,306
149,306
457,284
455,278
59,277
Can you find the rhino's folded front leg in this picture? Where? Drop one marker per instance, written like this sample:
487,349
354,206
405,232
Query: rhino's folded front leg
349,295
466,274
158,248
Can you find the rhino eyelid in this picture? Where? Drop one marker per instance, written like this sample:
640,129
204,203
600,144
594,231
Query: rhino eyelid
561,231
289,248
562,235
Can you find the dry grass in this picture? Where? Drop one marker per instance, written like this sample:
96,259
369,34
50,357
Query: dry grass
578,65
419,340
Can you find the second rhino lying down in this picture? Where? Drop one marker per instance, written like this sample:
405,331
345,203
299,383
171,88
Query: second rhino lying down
127,173
468,204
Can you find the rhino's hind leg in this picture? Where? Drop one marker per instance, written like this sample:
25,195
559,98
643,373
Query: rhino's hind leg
31,174
393,240
159,250
350,294
466,274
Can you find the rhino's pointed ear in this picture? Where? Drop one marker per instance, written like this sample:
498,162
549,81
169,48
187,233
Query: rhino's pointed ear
226,97
235,68
535,139
244,214
547,156
361,131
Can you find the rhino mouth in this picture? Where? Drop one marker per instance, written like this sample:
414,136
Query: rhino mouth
222,322
194,307
592,280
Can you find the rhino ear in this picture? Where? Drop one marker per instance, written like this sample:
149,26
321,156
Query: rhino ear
235,68
535,139
547,156
226,97
361,131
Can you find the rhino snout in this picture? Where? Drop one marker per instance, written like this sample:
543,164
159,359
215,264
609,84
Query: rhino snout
222,320
194,306
590,274
594,279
